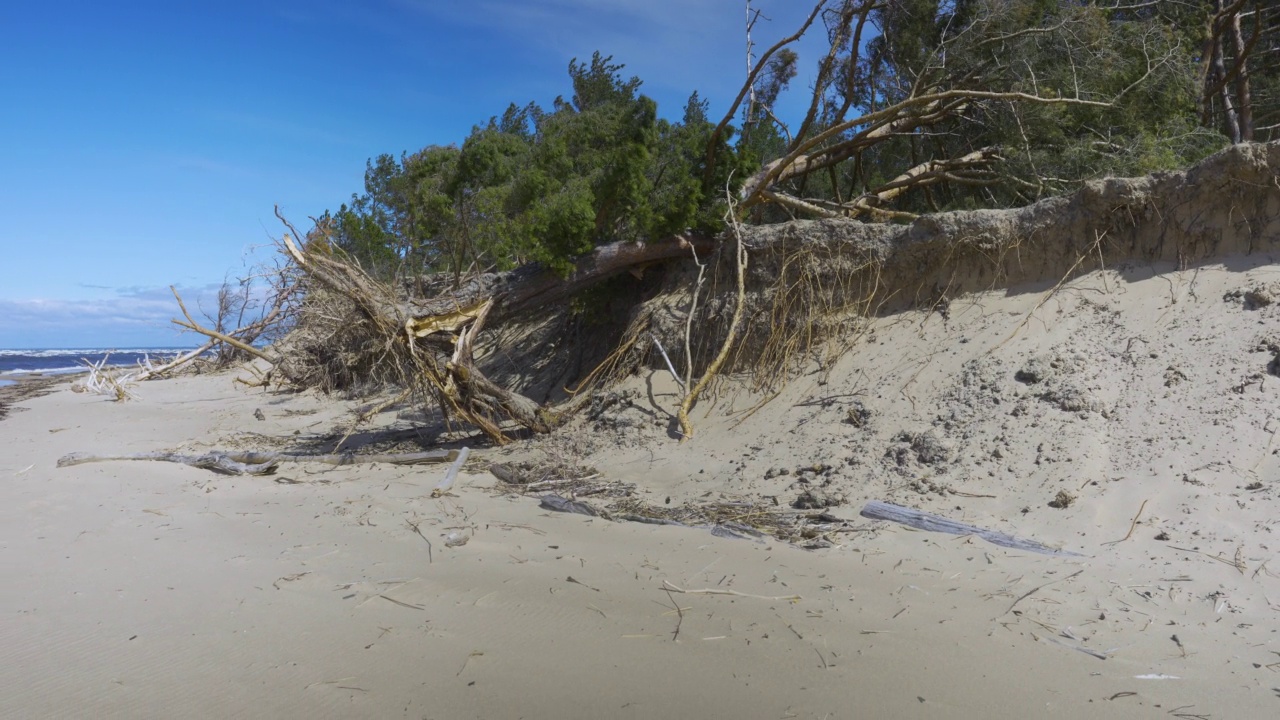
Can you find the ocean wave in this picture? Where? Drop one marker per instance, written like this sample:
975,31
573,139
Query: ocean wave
46,371
71,352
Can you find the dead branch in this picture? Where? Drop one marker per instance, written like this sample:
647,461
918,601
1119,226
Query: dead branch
911,111
740,250
714,141
533,287
926,173
191,324
176,362
260,463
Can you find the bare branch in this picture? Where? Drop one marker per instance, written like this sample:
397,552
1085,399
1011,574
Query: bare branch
799,162
191,324
718,132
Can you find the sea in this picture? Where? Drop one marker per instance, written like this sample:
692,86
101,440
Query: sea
56,361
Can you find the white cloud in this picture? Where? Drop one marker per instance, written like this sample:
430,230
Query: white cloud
127,317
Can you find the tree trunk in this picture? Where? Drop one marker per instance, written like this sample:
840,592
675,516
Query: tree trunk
534,286
1244,100
1231,123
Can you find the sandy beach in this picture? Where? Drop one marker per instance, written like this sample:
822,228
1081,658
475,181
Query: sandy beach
24,386
1128,418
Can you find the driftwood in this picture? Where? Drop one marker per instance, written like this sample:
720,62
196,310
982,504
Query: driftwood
565,505
416,329
229,339
534,287
260,463
447,483
157,371
876,510
730,530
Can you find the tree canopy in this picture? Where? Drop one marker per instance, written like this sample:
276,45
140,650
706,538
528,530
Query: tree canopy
916,106
538,185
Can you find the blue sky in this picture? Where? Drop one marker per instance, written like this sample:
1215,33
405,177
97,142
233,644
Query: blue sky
143,144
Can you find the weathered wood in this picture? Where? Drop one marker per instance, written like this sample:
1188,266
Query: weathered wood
459,385
876,510
534,286
447,483
260,463
565,505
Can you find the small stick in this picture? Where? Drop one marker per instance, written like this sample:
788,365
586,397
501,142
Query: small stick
1077,648
418,530
679,613
961,493
670,367
1033,590
1132,525
1219,558
474,653
576,581
716,591
402,604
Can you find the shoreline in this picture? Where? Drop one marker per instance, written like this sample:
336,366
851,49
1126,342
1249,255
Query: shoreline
26,386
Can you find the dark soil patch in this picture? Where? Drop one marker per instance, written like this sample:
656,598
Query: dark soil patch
25,389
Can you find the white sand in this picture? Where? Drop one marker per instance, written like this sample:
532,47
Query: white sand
147,589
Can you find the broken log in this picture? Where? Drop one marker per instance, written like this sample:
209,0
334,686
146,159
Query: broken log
876,510
534,286
260,463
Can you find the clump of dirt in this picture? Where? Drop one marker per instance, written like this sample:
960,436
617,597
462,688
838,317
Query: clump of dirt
1056,380
1254,297
913,449
815,499
1062,500
857,414
618,411
1271,344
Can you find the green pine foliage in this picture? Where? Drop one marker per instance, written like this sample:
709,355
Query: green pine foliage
539,186
548,185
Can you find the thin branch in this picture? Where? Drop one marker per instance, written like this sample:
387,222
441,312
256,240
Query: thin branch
796,162
740,248
718,132
191,324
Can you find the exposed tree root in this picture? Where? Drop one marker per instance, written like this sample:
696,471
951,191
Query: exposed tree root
691,397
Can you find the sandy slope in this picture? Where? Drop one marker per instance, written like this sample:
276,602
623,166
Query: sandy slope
158,590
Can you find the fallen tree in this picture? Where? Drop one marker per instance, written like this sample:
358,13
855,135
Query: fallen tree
920,104
806,285
427,344
950,105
